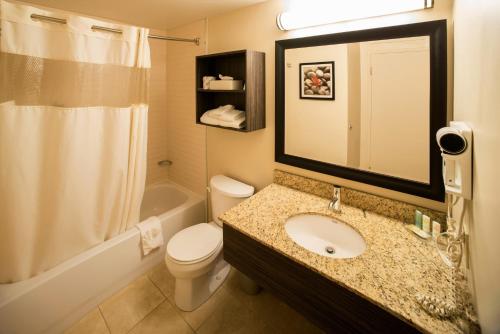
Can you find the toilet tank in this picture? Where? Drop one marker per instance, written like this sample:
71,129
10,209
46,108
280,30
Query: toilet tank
226,193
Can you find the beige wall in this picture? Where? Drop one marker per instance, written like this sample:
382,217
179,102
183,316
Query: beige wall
395,78
353,105
186,139
477,81
250,156
309,122
157,120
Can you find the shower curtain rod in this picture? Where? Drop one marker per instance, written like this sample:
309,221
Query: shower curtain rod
117,31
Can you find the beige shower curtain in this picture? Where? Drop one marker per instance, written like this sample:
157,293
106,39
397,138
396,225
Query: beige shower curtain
73,129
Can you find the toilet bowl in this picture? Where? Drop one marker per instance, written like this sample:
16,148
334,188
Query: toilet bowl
194,255
194,258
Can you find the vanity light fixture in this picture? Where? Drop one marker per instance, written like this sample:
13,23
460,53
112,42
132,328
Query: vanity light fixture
315,13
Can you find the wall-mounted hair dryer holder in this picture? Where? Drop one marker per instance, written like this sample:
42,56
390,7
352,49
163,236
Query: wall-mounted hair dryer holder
455,142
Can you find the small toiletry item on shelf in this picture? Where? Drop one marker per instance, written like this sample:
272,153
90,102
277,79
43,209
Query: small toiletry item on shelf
418,219
436,229
226,84
206,81
426,224
417,231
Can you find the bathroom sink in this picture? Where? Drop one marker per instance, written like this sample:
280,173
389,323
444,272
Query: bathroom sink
325,236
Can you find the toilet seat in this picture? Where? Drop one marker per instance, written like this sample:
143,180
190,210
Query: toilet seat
195,243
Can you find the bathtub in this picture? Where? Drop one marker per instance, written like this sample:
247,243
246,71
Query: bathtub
57,298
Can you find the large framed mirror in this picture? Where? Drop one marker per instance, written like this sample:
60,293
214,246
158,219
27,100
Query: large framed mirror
365,105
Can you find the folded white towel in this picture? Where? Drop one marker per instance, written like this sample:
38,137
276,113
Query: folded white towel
205,118
220,110
228,115
151,234
231,115
237,124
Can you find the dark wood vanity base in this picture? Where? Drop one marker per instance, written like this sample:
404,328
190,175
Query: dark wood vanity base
330,306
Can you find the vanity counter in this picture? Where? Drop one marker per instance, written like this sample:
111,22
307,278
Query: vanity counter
395,266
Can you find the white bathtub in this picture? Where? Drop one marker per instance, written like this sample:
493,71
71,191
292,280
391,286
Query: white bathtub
54,300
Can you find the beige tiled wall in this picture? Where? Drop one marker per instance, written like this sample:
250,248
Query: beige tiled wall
186,139
173,133
157,121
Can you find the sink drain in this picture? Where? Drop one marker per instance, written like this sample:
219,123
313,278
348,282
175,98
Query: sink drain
330,250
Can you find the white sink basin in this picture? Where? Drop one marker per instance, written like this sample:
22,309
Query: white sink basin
325,236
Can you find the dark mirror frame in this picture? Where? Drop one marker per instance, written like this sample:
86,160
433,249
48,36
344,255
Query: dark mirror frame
436,30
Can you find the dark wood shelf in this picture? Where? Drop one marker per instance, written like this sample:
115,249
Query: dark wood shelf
223,127
245,65
231,91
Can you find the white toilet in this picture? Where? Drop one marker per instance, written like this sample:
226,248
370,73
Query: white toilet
194,255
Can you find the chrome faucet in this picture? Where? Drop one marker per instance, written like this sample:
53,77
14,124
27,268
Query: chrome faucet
334,205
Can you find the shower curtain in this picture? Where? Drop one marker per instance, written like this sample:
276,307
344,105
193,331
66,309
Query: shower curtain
73,134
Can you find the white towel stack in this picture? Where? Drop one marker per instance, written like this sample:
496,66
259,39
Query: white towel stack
151,234
225,116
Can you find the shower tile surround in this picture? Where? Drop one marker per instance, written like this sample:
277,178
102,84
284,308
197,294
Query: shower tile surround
172,132
157,114
395,266
186,140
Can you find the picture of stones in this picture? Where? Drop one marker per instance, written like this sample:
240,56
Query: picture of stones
317,81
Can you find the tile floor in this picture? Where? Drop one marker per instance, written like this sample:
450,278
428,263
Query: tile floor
147,306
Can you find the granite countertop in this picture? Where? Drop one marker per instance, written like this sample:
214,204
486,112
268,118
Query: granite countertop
395,266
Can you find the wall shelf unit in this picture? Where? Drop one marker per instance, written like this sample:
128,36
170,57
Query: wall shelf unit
201,90
245,65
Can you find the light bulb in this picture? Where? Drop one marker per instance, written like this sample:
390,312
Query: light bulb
315,13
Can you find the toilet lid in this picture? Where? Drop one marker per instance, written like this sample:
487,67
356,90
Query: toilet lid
194,243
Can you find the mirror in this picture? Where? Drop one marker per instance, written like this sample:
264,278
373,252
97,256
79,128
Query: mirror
351,101
365,105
